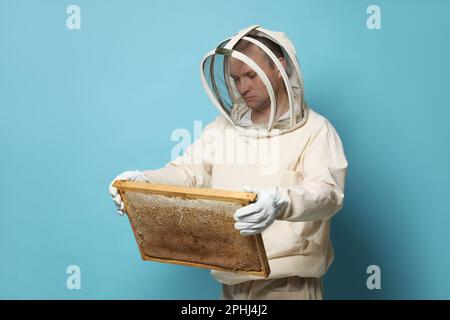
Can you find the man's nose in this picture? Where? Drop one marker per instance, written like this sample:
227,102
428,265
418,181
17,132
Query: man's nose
244,86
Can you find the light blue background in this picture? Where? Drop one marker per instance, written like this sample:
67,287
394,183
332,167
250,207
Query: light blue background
77,107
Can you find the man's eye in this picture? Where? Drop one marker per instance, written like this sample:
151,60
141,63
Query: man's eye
251,76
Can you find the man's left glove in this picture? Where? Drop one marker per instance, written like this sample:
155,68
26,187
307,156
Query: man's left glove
256,217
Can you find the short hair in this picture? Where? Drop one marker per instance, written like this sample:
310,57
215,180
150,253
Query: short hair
243,45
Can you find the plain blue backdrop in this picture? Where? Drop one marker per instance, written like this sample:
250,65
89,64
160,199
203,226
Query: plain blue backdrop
77,107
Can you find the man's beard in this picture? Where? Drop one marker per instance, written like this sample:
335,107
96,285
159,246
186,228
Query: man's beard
259,106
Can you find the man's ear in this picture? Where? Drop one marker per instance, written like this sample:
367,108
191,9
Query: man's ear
283,63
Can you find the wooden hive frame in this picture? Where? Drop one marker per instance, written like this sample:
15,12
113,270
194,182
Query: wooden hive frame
125,188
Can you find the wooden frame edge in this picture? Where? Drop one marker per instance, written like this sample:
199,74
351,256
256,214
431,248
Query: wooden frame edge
199,193
186,192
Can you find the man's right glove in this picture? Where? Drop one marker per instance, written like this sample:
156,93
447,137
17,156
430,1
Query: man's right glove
137,176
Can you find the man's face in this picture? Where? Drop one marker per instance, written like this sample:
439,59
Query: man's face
249,84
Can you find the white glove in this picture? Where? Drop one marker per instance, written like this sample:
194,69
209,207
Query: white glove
137,176
256,217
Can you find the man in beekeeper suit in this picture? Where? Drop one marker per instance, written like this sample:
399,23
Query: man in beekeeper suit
268,141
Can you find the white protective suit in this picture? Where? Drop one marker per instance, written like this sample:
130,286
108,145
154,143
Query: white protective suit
301,155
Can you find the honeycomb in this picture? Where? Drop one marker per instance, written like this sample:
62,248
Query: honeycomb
196,231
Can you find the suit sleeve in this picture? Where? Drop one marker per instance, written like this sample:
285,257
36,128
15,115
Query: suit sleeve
324,169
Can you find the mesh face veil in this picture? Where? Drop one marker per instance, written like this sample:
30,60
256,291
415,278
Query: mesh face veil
243,74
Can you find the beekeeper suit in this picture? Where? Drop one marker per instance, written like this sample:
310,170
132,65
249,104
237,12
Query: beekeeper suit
266,140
